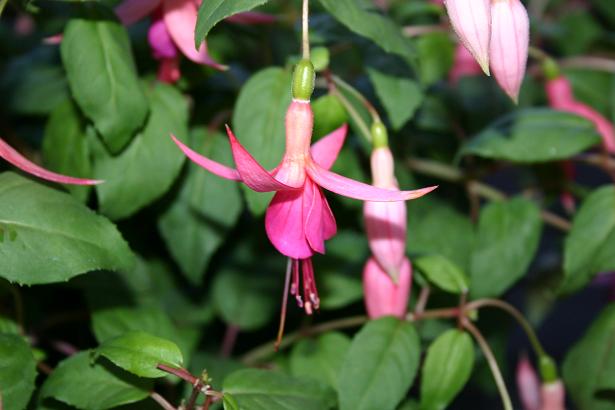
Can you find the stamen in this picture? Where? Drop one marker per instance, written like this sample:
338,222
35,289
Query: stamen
289,268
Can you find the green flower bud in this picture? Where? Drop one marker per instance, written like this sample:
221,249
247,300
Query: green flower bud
380,138
550,68
548,369
303,80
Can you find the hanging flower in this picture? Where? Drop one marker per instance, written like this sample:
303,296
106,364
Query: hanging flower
10,155
548,395
298,220
496,33
383,296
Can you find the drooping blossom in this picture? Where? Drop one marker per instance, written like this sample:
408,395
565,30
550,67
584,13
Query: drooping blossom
464,65
496,33
561,97
528,384
508,48
385,222
537,395
10,155
383,296
387,275
298,220
471,20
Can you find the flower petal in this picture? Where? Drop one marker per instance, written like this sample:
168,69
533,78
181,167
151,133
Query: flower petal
313,210
212,166
180,18
251,172
326,149
160,40
284,224
9,154
383,297
329,225
358,190
131,11
385,224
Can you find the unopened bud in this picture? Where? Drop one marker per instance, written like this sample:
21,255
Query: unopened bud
383,297
304,77
471,20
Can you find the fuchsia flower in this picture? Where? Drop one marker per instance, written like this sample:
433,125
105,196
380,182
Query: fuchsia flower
383,297
537,396
298,220
172,28
496,33
560,96
471,20
385,222
9,154
464,65
510,39
387,276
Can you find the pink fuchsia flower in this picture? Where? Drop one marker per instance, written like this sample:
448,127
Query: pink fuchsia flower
464,65
508,48
298,220
548,395
560,96
385,222
10,155
528,384
471,20
173,23
383,296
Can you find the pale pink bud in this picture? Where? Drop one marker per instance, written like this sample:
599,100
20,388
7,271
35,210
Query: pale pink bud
385,222
553,396
471,20
383,297
464,65
528,385
559,92
510,36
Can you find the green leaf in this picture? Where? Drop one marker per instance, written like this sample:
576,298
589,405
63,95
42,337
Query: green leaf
508,237
48,236
320,358
534,135
435,57
207,207
212,12
140,353
381,30
146,169
89,385
455,237
258,123
588,367
329,115
267,390
447,368
380,366
65,148
244,300
400,96
588,248
443,273
111,323
102,75
229,402
17,372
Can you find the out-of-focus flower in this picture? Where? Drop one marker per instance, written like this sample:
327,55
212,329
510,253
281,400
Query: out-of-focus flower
548,395
471,20
9,154
464,65
383,296
510,29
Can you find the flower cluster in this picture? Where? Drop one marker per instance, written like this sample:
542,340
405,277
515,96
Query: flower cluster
496,33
